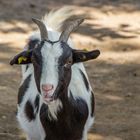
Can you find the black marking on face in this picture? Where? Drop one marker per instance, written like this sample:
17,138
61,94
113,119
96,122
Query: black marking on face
71,120
84,79
29,111
92,104
64,70
37,103
67,53
23,88
37,63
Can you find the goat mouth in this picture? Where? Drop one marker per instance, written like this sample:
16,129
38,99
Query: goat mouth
48,98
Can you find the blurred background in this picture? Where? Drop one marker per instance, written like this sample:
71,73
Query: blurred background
113,26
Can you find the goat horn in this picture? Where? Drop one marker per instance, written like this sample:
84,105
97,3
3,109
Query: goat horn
42,27
66,33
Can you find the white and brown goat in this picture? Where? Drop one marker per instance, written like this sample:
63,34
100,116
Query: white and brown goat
55,99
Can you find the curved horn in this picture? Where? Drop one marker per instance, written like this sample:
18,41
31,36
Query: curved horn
65,34
42,27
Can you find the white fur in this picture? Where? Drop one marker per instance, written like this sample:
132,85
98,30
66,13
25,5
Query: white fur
34,129
50,64
21,116
78,89
54,107
54,19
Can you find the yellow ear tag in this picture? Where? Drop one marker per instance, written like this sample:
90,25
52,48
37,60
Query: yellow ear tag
20,59
85,49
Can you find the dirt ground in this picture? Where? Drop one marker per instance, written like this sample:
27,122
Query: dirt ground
113,26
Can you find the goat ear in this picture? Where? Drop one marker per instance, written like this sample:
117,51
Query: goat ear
82,55
22,58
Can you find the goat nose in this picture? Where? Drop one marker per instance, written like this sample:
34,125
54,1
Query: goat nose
47,87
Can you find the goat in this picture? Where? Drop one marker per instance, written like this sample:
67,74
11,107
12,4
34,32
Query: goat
55,99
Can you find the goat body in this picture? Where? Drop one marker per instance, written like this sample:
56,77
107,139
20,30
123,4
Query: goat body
68,117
